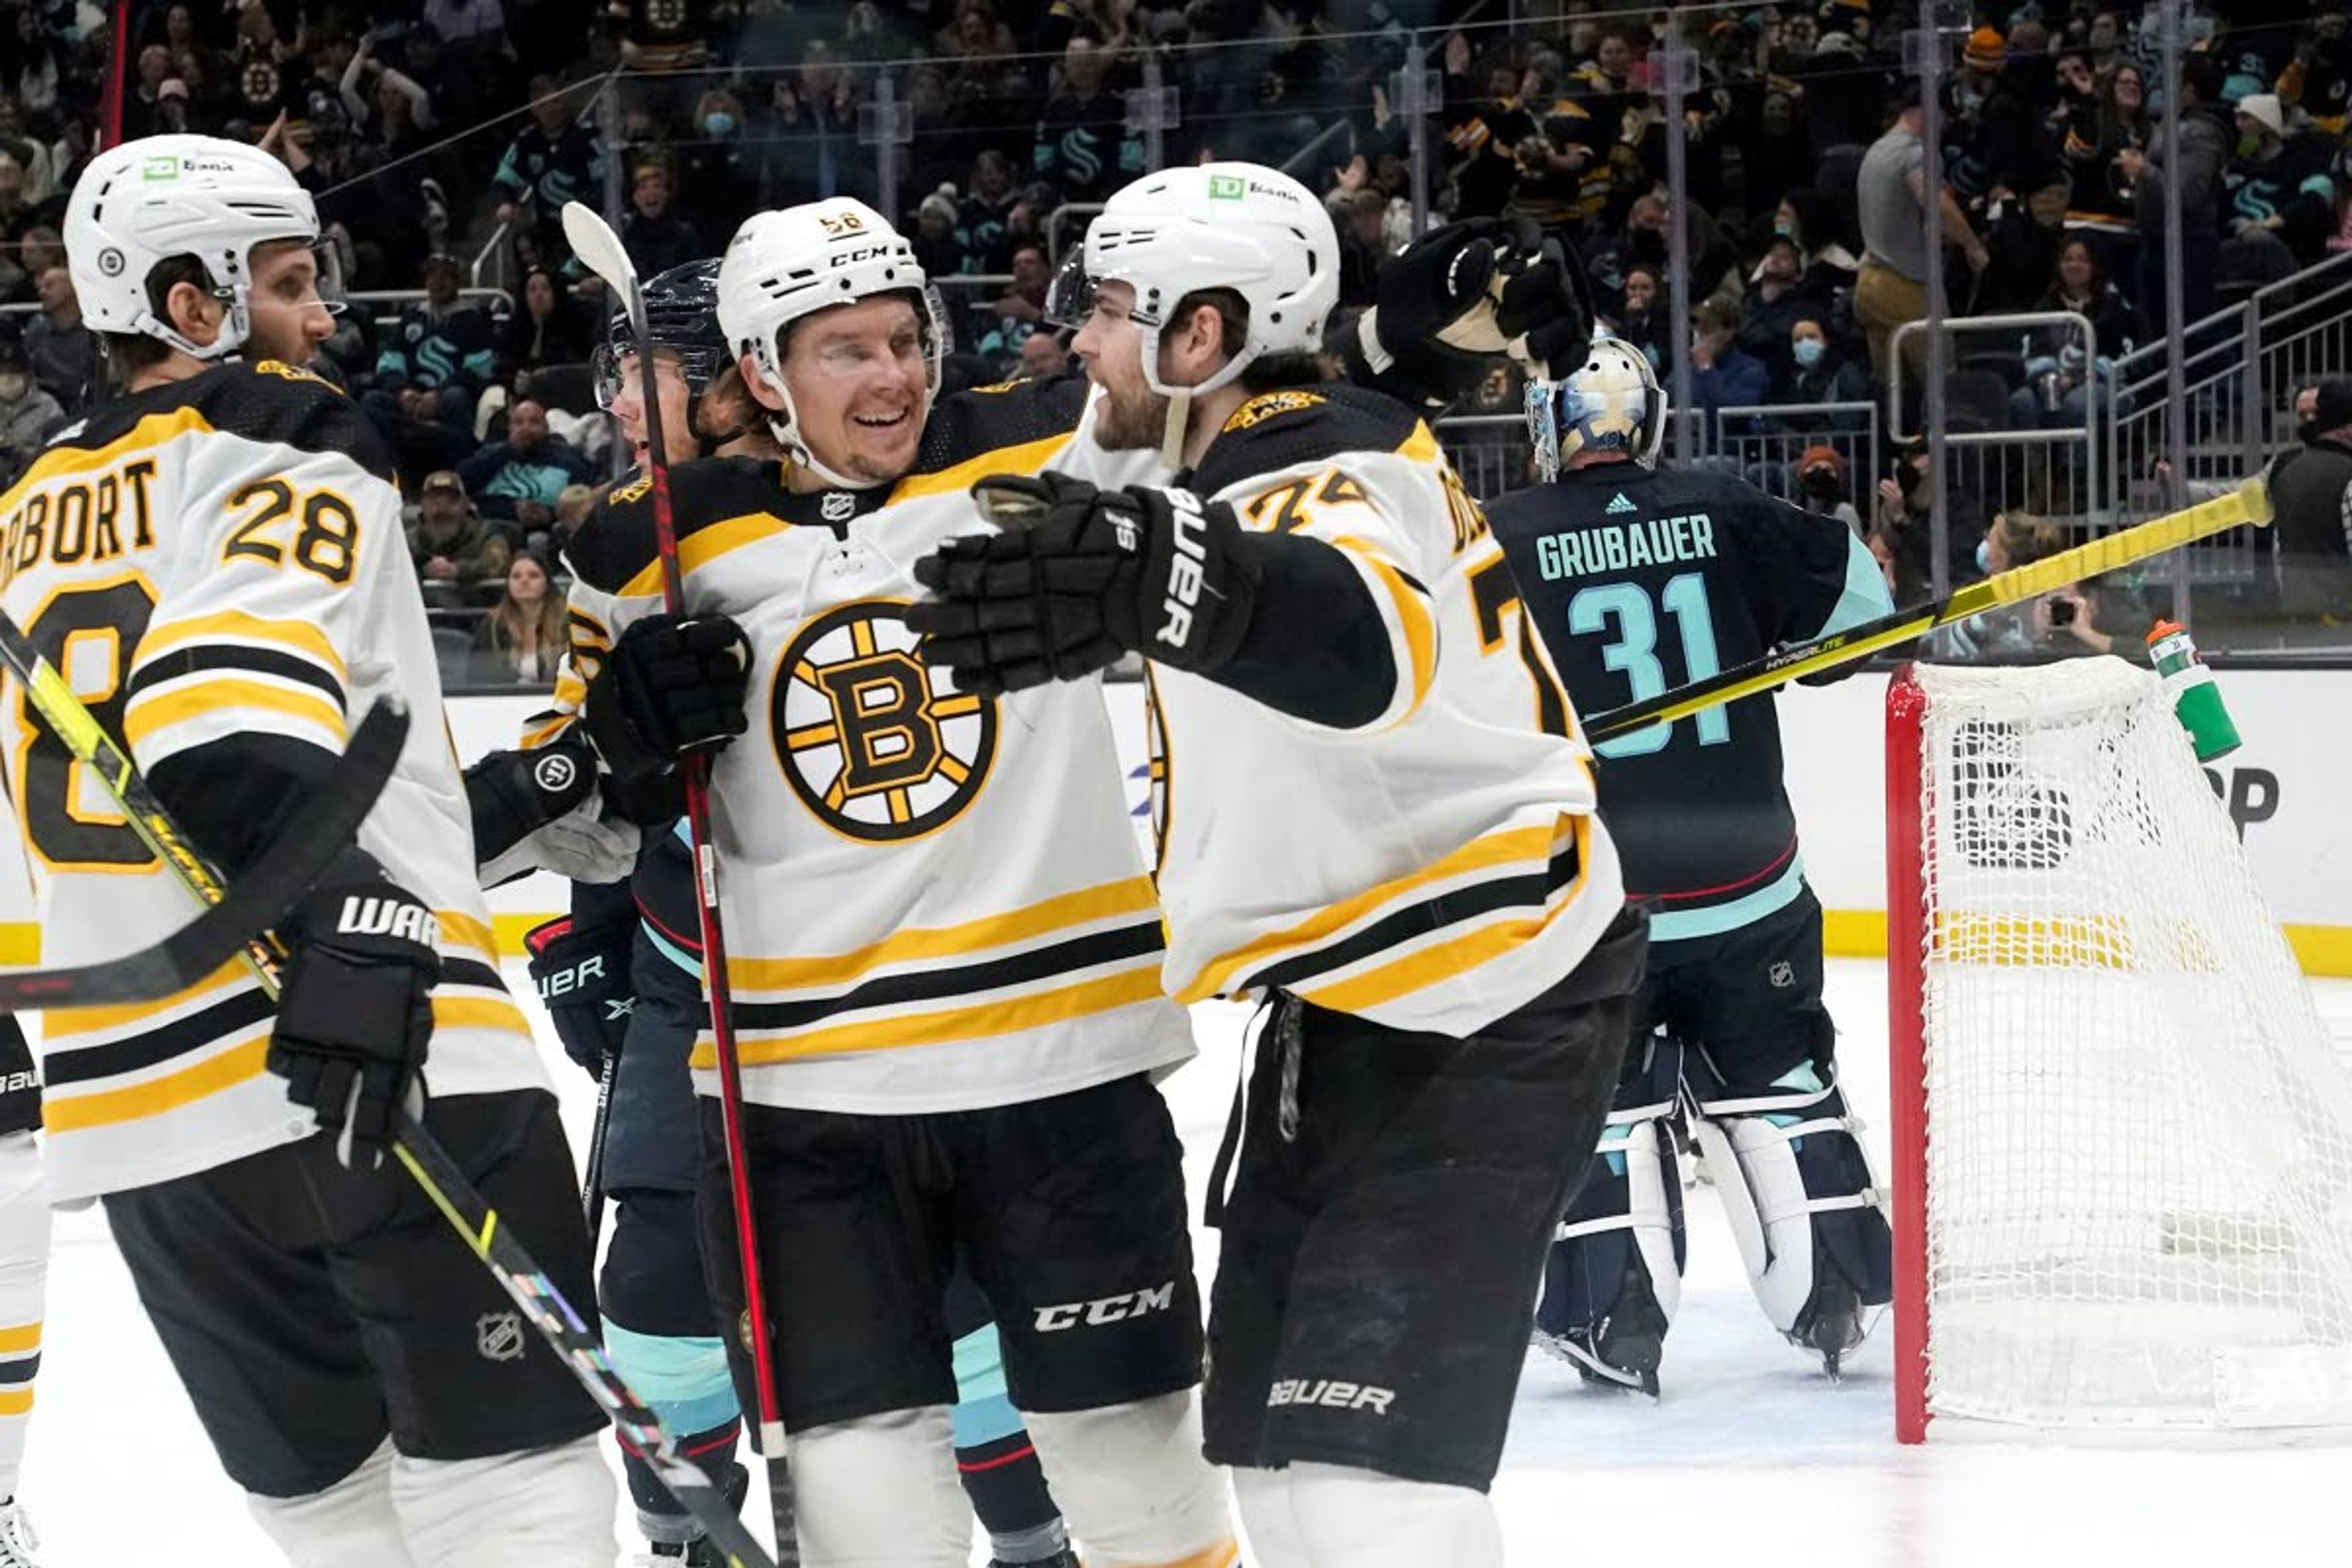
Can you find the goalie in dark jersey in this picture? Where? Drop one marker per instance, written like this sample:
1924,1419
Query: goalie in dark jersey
1641,580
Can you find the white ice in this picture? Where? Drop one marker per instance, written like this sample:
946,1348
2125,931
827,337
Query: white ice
1751,1460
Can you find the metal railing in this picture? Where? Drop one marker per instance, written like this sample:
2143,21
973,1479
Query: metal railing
1760,443
2049,470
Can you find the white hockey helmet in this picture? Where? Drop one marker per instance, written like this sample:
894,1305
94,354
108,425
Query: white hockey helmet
1242,226
145,202
1610,403
786,265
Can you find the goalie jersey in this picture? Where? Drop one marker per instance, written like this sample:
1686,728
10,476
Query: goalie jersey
213,560
933,901
1434,869
1642,581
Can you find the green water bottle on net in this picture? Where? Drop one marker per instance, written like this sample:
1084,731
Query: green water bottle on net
2196,701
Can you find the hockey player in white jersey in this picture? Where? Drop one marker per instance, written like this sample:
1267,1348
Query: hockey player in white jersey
24,1276
944,951
214,559
1376,812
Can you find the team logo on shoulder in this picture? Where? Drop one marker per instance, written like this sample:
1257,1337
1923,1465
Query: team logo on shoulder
875,741
1259,409
636,489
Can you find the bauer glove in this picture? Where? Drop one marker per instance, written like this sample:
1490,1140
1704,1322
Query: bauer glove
354,1014
1079,577
583,975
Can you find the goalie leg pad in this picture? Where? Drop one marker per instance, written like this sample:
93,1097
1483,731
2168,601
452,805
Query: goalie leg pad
1613,1278
1797,1186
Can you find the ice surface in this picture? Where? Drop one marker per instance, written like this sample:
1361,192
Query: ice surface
1750,1459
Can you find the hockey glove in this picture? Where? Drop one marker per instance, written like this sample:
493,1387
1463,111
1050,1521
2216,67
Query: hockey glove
583,975
355,1017
1097,574
542,810
1459,297
672,687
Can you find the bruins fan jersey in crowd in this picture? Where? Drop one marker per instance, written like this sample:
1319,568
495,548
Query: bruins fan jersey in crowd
1436,869
221,560
1641,580
933,901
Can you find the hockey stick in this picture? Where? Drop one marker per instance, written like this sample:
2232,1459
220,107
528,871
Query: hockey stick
527,1284
327,822
2248,503
592,1183
601,252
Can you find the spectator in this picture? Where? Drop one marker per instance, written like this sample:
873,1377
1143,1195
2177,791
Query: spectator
517,479
367,81
983,215
64,353
1903,538
1723,375
462,23
1042,355
2012,137
524,637
2204,149
656,237
720,178
1775,302
1483,134
1811,219
2099,189
2097,615
1643,243
1820,486
1825,373
937,239
2318,80
2279,195
2008,631
551,160
1084,147
1363,221
1645,318
28,415
2024,238
1022,309
1892,290
459,559
2312,492
551,327
572,505
431,372
2060,378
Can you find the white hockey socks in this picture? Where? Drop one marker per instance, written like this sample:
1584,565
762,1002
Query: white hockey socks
1132,1484
1336,1516
24,1274
881,1493
352,1524
549,1508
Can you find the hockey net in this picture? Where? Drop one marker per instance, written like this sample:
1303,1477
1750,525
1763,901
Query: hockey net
2123,1136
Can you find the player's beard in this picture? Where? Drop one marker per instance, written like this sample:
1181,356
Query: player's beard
1132,418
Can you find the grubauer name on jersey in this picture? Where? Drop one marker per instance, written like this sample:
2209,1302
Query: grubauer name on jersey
217,566
933,901
1433,871
1641,580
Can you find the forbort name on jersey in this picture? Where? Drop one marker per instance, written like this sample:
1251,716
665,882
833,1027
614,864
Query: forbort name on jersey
1653,542
82,521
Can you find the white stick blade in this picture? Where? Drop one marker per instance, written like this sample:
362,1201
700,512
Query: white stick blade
599,248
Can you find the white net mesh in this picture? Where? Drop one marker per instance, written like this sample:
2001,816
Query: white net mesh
2140,1146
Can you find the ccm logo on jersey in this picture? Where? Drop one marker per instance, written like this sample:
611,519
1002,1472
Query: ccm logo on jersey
1186,568
388,917
1331,1393
1110,1309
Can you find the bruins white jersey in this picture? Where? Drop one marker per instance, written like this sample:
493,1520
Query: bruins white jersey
1436,869
933,901
217,566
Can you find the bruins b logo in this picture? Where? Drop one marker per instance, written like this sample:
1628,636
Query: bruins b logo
878,744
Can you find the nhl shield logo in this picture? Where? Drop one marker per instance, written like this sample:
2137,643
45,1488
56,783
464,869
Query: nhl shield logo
838,506
497,1336
1782,976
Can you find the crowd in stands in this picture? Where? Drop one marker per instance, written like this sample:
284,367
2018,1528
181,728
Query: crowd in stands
436,131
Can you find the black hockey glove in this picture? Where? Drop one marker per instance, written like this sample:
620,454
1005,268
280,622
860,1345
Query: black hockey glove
1459,297
1094,574
583,975
671,688
355,1017
542,810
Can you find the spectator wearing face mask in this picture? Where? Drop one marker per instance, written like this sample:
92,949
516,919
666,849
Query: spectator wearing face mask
720,178
1776,301
1825,373
1820,486
28,415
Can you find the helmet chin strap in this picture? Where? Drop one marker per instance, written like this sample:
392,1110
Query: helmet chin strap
786,424
1180,398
